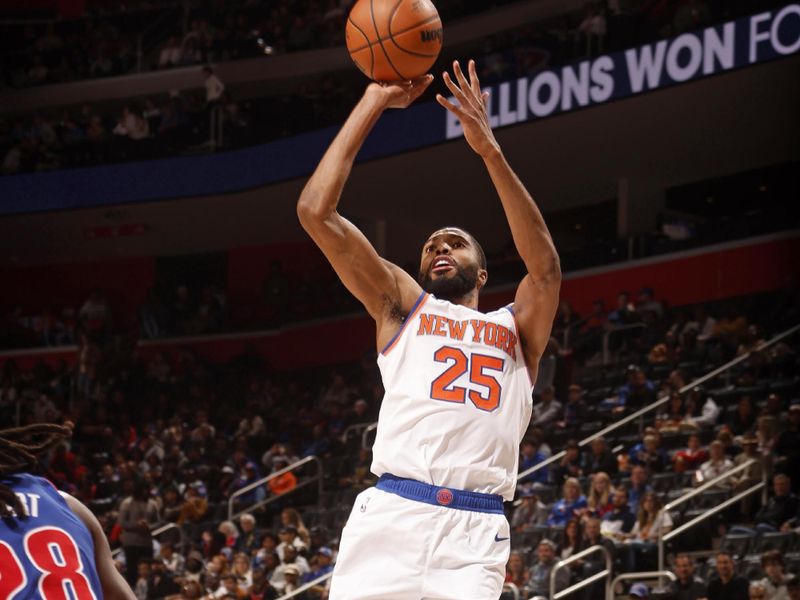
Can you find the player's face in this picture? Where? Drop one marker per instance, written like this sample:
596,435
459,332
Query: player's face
449,267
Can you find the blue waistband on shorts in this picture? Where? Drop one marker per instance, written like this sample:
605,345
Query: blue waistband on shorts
440,496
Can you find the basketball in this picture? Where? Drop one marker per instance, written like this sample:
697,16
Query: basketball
394,40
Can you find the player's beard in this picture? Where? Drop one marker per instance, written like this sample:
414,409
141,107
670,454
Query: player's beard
452,287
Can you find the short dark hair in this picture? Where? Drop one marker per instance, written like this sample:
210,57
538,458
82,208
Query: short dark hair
772,556
474,241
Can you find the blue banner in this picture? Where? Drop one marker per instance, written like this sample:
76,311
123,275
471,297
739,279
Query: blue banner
690,56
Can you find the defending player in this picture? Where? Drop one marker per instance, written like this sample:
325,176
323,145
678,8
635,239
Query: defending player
458,382
51,546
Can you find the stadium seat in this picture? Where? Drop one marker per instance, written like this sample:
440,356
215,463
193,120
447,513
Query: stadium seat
738,544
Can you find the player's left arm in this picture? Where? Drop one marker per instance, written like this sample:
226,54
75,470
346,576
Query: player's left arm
114,585
536,300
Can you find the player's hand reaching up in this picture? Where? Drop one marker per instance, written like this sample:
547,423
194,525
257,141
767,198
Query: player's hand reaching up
401,93
471,109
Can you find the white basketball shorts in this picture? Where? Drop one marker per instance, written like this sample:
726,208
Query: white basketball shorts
395,548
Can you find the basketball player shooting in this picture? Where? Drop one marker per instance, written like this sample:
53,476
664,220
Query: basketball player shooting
458,382
49,541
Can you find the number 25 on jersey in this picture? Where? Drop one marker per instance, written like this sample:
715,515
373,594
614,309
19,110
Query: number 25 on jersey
476,365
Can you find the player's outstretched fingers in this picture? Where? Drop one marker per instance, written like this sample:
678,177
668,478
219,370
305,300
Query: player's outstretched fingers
450,106
465,86
457,93
473,78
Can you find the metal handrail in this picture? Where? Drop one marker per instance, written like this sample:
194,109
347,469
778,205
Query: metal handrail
700,518
708,485
662,537
584,582
617,329
264,480
307,586
512,587
354,427
156,531
661,401
369,429
642,575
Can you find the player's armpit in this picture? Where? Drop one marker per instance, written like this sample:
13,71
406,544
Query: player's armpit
379,285
535,306
114,585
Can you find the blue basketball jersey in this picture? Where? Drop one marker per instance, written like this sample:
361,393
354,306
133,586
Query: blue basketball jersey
50,554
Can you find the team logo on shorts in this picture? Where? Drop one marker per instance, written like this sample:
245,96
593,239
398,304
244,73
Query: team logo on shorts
444,497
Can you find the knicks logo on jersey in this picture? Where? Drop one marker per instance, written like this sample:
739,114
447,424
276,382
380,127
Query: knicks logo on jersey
478,331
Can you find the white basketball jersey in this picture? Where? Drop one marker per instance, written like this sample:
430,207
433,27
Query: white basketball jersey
458,399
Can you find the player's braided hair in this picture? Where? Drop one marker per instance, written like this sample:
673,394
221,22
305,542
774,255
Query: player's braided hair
20,449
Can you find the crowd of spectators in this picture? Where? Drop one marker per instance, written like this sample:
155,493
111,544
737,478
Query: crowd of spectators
168,438
175,124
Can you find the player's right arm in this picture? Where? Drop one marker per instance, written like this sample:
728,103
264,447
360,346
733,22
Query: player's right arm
114,585
378,284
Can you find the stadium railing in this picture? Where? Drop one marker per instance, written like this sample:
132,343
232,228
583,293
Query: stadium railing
638,577
355,428
604,574
662,401
760,486
318,478
157,531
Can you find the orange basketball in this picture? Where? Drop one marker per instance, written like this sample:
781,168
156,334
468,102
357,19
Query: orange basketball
394,40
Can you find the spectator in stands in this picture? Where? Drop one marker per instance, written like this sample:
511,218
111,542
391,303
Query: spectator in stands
170,54
744,418
757,591
539,581
648,303
600,458
570,539
570,464
249,540
767,434
516,571
138,514
530,457
618,522
701,409
214,87
639,487
140,589
624,313
651,523
575,410
648,453
727,585
774,581
570,506
601,494
750,475
131,125
530,513
688,586
321,564
781,508
716,465
593,563
161,583
290,517
637,392
241,571
173,562
289,538
691,457
548,409
282,483
291,561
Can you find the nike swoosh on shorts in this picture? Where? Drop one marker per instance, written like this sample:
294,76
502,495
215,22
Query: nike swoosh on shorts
499,539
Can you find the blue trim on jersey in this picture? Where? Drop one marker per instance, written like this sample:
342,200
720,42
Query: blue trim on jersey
510,308
405,322
440,496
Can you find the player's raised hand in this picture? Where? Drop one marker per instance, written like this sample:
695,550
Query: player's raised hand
400,94
471,109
